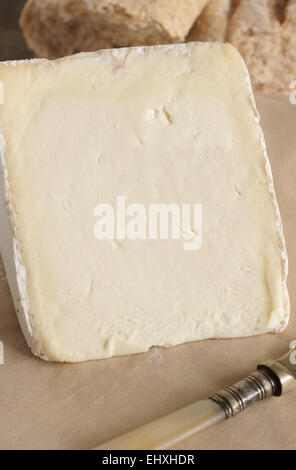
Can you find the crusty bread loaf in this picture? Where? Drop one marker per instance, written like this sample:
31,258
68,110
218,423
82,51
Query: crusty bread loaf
54,28
264,31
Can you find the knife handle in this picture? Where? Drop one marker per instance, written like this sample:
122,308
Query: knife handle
166,431
273,377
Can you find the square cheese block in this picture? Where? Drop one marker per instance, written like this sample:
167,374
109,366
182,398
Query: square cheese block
137,202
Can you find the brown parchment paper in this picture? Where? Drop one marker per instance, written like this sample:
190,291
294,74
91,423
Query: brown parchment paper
77,406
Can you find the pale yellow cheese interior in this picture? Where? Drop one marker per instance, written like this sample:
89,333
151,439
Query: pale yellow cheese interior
157,125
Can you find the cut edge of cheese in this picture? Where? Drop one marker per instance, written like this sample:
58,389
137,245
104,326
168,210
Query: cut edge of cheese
281,239
12,258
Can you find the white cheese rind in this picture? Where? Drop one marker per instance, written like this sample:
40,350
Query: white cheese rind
281,240
45,335
14,268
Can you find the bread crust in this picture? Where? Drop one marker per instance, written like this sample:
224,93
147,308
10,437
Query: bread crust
212,23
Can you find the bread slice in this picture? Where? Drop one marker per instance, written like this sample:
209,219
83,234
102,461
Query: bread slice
55,28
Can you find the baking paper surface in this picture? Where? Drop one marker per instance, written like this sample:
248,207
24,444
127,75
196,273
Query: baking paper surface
77,406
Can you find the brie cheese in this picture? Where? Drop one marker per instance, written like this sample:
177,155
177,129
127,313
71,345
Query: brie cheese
154,125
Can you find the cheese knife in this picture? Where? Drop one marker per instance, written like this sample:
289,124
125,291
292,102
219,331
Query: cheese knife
272,378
